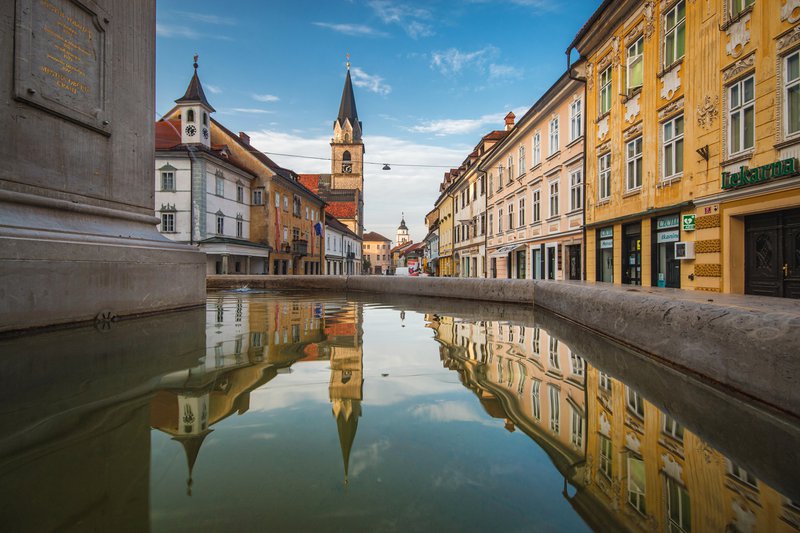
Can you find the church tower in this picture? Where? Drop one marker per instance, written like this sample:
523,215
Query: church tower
347,148
195,113
402,232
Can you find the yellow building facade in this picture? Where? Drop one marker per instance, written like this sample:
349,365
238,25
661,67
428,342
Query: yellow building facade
692,140
445,206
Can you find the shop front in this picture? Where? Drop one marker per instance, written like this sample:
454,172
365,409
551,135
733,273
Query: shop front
666,268
605,254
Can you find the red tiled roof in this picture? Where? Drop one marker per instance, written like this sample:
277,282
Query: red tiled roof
168,134
373,236
344,329
400,247
341,209
310,182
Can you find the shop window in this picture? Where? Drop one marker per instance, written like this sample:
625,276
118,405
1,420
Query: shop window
792,93
633,174
605,91
605,254
674,33
635,65
672,147
741,116
604,177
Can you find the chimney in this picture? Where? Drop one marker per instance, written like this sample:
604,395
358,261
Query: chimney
510,120
246,138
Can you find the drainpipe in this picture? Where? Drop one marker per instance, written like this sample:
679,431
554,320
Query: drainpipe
585,136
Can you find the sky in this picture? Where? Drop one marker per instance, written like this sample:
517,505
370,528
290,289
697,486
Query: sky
431,78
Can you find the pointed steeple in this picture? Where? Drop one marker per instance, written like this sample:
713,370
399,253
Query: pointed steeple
403,221
346,413
191,445
347,107
194,92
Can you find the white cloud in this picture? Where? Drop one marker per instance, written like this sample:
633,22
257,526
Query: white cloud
453,60
351,29
265,97
213,88
371,82
169,31
413,20
459,126
207,19
450,411
251,110
504,71
367,457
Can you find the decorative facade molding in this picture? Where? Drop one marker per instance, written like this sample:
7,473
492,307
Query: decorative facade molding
602,127
708,111
632,108
649,17
790,11
632,442
713,270
634,33
790,38
671,467
671,82
603,148
708,246
743,65
707,222
633,131
615,51
670,108
589,76
738,36
605,62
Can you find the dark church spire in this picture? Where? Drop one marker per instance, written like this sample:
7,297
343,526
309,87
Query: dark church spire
194,92
347,107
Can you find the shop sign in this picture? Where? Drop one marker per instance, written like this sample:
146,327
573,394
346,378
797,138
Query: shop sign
672,221
753,176
606,232
688,222
668,236
606,243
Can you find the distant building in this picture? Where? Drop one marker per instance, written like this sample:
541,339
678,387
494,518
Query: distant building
431,260
342,249
377,253
402,232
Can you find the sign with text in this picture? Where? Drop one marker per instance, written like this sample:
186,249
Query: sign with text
754,176
61,60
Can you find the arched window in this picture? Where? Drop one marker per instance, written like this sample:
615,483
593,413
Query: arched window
346,156
347,137
205,118
190,115
347,165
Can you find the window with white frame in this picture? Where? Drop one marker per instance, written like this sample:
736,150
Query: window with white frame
220,224
635,65
554,198
510,216
672,147
491,184
277,200
606,459
635,402
575,119
791,93
535,342
510,168
577,428
737,6
537,149
575,190
553,354
555,408
636,483
168,222
671,427
239,226
605,381
500,221
168,181
605,91
674,33
258,197
678,507
239,194
553,148
604,176
491,224
633,173
285,203
741,115
499,177
537,205
536,400
740,473
521,212
521,160
220,184
577,365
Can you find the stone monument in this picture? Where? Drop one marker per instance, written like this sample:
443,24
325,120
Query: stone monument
78,237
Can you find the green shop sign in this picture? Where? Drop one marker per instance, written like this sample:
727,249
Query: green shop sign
753,176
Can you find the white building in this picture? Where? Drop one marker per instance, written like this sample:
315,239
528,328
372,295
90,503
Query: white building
342,249
402,232
201,196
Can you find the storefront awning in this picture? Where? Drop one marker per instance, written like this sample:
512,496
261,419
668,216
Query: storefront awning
503,250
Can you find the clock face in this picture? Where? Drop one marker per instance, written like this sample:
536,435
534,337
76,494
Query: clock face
191,130
347,168
205,133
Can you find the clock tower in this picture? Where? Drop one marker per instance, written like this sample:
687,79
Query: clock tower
195,113
347,149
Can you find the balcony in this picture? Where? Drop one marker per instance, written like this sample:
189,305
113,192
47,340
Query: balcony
300,247
351,255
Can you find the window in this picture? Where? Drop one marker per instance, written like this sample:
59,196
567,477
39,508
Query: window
537,207
510,216
636,483
672,428
575,119
239,226
220,224
554,198
277,200
500,221
537,149
634,169
792,93
491,224
737,6
605,382
672,149
205,118
258,197
285,234
308,215
553,354
605,91
740,473
577,428
635,402
678,507
220,184
491,184
240,194
285,203
521,160
553,148
296,206
605,456
674,33
521,212
474,187
741,115
536,402
296,234
577,365
499,177
168,181
483,224
535,341
190,115
576,190
635,65
168,222
510,168
604,176
555,408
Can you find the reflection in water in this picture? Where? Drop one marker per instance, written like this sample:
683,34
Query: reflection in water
243,433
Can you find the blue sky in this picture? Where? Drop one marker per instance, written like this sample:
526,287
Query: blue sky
431,78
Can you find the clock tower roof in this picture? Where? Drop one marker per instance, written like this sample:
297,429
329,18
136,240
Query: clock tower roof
347,107
194,92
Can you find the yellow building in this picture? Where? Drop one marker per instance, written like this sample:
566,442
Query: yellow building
683,98
445,205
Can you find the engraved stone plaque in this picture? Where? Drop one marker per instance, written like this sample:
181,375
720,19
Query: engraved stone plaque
60,63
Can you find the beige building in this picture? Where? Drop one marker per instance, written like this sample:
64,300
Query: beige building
376,252
535,190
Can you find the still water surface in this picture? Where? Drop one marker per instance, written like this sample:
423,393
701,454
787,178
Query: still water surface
299,412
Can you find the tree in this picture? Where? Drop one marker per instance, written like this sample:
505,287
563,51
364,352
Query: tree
366,265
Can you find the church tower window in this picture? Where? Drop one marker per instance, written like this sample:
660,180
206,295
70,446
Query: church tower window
190,115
